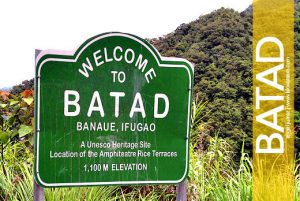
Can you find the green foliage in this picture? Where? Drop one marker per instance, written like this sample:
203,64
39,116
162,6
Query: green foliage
200,129
213,173
214,176
17,187
105,193
147,193
16,120
18,184
219,44
24,130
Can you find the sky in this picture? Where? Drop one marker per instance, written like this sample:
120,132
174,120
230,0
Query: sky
64,25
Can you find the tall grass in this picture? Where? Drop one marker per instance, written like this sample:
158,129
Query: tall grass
17,186
18,182
297,181
20,187
214,174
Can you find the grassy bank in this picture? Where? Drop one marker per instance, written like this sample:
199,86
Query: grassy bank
214,173
212,176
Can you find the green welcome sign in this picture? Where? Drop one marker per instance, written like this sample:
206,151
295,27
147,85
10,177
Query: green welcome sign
112,112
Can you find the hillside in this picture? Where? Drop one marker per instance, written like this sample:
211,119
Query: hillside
219,44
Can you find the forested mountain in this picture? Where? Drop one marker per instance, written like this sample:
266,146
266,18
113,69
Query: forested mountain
220,46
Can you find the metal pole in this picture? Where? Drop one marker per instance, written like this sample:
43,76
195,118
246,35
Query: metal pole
38,194
181,191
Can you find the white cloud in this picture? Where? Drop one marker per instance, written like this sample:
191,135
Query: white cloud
56,24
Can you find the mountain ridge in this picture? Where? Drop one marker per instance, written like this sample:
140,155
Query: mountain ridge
219,44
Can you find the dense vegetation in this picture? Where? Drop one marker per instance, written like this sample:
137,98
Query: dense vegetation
213,173
219,44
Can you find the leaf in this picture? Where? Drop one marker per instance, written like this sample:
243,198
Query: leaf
22,119
28,100
32,122
11,120
26,93
14,97
3,105
4,137
5,117
13,133
13,102
4,95
24,108
16,109
24,130
23,104
31,140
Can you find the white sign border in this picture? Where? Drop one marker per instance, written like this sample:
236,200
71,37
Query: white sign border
70,53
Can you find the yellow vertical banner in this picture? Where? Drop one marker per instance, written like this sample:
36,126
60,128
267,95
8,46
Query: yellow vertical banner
273,100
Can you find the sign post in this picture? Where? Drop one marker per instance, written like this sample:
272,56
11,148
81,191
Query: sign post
38,192
114,112
181,191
